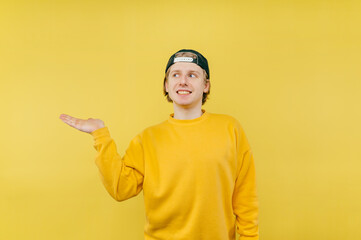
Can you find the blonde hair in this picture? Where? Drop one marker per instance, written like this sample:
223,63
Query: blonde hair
206,78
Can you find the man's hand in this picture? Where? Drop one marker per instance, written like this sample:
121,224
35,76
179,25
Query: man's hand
83,125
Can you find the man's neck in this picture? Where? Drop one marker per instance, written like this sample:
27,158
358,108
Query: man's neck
187,113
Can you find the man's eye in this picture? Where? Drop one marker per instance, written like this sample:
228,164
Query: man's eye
175,75
192,75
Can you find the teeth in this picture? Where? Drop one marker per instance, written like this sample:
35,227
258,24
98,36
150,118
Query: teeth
183,92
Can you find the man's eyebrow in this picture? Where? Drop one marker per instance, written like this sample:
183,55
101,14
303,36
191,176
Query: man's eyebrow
190,71
194,71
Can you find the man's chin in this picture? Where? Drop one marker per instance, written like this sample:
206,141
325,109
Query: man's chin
184,105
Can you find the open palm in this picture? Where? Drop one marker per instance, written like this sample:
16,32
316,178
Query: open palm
85,125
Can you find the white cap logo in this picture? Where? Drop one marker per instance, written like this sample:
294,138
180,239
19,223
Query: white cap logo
183,59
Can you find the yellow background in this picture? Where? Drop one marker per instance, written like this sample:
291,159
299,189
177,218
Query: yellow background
289,71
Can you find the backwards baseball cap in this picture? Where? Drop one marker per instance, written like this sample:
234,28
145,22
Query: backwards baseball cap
200,60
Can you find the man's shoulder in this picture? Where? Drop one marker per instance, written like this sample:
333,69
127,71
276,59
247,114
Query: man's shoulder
223,117
155,127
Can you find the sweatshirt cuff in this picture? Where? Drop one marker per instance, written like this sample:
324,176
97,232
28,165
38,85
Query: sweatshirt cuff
100,133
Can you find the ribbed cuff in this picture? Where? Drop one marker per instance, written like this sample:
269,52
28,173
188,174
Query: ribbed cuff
100,133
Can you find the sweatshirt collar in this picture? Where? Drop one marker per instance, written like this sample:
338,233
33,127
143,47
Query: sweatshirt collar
204,116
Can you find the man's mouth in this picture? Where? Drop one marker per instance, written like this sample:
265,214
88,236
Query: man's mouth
183,92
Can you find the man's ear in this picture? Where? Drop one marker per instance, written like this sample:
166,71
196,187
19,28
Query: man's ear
207,84
166,85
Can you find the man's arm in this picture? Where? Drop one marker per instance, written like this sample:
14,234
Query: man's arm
121,176
245,200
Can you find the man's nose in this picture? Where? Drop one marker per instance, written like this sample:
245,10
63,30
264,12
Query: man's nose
183,79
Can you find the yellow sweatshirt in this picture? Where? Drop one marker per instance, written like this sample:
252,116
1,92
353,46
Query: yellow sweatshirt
197,176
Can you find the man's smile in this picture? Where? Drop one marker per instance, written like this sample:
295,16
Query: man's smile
184,92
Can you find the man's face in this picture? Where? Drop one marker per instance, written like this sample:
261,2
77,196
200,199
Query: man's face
189,78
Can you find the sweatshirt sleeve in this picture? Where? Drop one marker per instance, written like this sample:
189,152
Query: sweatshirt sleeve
121,176
245,199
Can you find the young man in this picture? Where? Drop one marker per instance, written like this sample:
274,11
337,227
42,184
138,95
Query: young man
196,169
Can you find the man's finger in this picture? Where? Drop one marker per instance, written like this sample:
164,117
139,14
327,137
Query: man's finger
65,117
69,120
